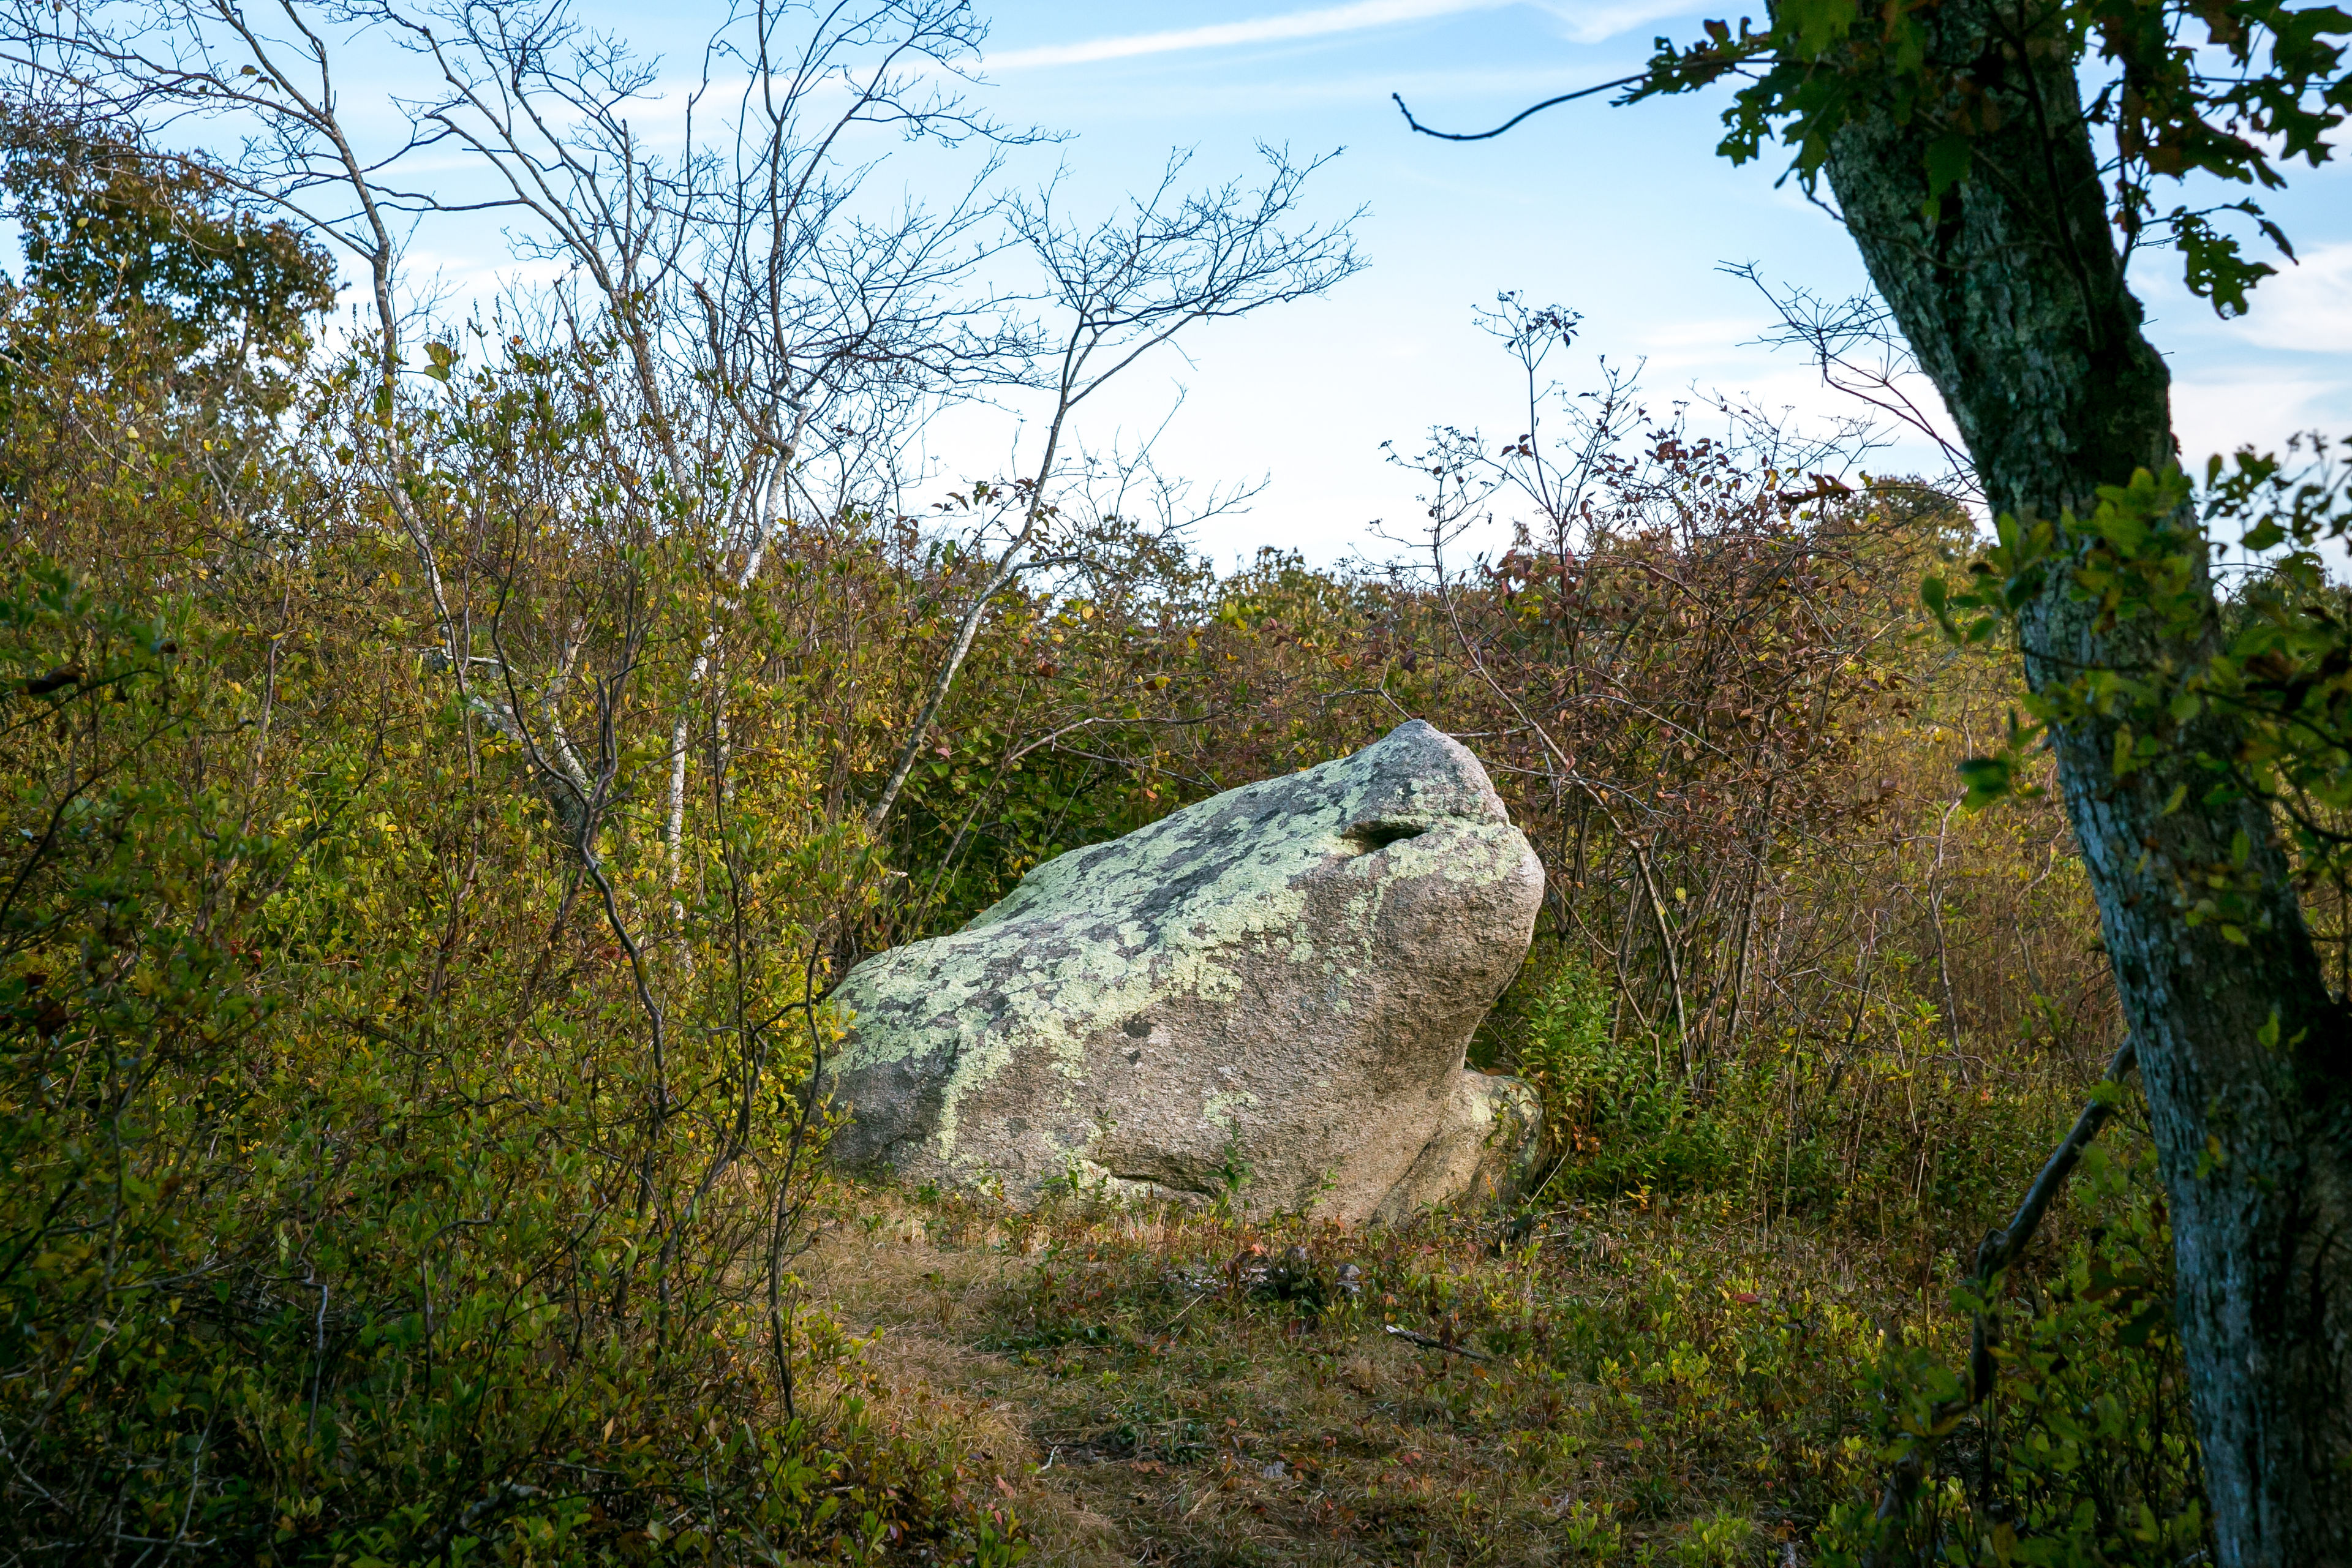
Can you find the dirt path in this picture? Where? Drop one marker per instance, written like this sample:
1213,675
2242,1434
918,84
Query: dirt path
1175,1391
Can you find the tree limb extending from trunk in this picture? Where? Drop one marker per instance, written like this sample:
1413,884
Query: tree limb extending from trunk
1999,1249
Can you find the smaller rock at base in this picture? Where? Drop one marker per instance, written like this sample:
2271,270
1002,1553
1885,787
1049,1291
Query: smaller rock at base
1484,1151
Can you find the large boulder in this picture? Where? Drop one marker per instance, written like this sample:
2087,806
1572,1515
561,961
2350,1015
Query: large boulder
1271,990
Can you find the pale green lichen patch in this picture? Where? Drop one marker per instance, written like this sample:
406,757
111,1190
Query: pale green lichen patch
1204,909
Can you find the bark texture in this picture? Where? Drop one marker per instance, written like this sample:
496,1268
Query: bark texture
2013,297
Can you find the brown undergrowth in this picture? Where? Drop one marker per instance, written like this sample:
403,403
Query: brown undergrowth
1606,1383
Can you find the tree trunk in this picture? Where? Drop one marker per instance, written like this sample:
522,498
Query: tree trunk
2013,297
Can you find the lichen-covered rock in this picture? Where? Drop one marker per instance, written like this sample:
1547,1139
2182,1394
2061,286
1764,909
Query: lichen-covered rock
1273,988
1484,1149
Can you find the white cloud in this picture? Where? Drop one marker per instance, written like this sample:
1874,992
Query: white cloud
1581,21
2307,307
1597,21
1684,342
2221,411
1322,22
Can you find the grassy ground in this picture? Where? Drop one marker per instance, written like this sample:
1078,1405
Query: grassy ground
1626,1384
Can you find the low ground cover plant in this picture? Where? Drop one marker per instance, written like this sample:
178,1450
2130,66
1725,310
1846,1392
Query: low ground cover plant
1641,1380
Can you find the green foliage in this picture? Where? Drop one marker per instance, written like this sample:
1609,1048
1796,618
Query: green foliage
279,1281
2085,1453
1882,1134
382,1187
2253,698
1624,1119
2265,85
117,230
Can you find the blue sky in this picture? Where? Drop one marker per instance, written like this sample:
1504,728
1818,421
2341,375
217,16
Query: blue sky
1621,214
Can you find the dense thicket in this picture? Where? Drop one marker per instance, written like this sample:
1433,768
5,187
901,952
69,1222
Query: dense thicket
435,814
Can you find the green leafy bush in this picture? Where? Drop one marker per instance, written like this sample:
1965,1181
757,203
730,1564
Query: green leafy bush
283,1277
1621,1115
2084,1453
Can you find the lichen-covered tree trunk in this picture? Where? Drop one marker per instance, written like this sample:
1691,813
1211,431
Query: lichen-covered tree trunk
2012,292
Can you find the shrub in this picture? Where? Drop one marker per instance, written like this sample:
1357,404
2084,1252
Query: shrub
1621,1117
296,1263
2084,1452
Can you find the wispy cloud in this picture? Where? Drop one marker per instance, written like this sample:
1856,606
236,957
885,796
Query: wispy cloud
1596,21
2231,407
2306,306
1322,22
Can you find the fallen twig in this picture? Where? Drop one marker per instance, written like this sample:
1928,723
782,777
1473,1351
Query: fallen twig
504,1492
1431,1342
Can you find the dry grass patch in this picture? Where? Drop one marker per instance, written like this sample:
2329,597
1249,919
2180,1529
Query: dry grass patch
1592,1384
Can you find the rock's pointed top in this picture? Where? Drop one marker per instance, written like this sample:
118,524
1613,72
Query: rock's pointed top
1416,775
1411,780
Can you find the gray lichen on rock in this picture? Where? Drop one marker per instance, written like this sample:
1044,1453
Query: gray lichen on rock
1282,979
